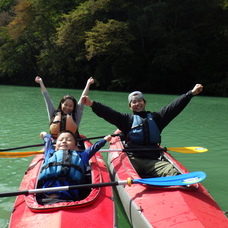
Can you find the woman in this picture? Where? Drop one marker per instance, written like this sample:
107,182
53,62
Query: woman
68,114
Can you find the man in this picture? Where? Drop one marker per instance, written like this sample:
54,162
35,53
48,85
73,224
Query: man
143,129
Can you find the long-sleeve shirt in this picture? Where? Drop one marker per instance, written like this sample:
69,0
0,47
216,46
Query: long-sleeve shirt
123,121
85,155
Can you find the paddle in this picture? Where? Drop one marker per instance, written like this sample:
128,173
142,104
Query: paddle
185,150
183,179
22,147
19,154
97,137
37,145
188,150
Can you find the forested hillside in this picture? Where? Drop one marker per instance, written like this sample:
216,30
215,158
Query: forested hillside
154,46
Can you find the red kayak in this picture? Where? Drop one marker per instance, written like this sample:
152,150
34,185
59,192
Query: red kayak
175,206
96,210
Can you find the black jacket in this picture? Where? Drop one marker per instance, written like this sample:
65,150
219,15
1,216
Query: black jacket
123,121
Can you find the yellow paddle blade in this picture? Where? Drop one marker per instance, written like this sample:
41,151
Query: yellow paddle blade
19,154
188,150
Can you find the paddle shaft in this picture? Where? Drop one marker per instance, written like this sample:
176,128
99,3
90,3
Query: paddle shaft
174,149
132,149
97,137
186,150
183,179
32,153
63,188
22,147
41,144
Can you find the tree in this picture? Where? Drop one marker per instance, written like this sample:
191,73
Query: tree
154,46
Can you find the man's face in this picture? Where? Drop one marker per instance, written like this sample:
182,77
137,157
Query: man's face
65,141
137,104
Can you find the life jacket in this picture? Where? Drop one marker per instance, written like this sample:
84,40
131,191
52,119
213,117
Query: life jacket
63,165
62,122
144,131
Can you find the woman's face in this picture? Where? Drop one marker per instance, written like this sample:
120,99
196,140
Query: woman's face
65,141
67,106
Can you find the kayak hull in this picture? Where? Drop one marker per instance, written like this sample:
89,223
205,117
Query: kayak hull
96,210
175,206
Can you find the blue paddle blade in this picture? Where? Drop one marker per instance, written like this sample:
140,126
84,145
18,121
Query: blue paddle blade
182,179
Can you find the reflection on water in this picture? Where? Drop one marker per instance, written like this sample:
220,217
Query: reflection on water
203,123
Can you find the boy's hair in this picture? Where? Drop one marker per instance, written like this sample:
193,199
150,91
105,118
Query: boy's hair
70,132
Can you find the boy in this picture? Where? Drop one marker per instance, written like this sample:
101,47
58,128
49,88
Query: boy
64,165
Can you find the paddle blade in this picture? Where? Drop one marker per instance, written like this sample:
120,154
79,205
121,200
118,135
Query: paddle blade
188,150
19,154
183,179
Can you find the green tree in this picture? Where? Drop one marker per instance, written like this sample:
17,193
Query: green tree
154,46
109,39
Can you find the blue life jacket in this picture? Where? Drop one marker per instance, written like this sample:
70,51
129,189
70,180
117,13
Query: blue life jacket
144,131
63,165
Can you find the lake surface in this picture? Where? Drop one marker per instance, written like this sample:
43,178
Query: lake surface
203,123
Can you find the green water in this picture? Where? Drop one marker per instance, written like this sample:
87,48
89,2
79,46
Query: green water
203,123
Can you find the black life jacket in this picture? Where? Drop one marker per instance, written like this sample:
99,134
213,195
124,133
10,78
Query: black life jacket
144,131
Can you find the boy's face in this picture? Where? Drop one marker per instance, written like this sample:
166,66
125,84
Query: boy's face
65,141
